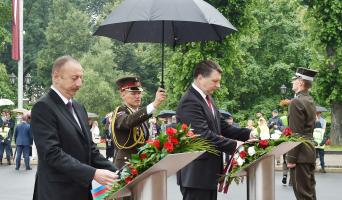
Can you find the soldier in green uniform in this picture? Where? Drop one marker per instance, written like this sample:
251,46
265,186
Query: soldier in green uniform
301,119
130,123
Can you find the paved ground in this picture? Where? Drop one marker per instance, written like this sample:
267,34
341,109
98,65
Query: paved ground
18,185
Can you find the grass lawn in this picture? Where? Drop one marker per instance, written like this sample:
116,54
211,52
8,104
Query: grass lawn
333,148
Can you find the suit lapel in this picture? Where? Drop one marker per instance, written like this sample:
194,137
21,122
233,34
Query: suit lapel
78,110
65,112
217,118
207,110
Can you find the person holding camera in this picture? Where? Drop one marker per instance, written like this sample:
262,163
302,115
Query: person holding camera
275,122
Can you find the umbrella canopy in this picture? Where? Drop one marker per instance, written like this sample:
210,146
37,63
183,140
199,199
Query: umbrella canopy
20,110
225,114
166,113
321,109
6,102
165,21
92,115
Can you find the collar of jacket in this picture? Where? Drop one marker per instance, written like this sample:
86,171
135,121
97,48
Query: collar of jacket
302,93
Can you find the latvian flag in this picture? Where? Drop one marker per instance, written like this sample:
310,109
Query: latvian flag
15,30
99,192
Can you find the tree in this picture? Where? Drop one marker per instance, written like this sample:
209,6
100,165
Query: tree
99,93
256,60
67,33
6,90
325,26
96,94
5,16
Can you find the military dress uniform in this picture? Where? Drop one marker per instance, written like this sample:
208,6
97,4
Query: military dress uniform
130,131
301,119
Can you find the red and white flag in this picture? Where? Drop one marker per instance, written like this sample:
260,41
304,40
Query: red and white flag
15,30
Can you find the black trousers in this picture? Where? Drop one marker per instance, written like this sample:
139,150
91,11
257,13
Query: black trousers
198,194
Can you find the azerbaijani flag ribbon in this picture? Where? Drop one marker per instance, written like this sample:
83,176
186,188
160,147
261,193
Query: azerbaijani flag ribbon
99,192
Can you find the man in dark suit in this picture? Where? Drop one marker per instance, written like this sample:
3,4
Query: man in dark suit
23,139
302,116
130,123
199,179
68,160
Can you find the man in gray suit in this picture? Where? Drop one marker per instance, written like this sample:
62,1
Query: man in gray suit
68,160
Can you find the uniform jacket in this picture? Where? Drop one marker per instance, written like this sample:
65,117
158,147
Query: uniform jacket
125,122
301,118
67,157
23,135
203,172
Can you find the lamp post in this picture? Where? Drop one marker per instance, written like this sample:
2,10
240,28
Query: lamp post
12,78
283,90
27,80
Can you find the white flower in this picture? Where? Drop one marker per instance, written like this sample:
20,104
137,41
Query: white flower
275,136
236,156
277,132
251,151
240,161
264,136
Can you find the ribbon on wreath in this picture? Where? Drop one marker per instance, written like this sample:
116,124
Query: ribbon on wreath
224,183
99,192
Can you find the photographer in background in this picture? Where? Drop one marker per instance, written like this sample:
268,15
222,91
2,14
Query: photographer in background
275,122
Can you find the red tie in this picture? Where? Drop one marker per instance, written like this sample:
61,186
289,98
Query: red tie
209,103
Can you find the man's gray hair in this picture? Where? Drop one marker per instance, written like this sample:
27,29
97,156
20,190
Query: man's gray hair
60,62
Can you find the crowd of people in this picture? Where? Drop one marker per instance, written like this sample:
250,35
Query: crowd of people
67,139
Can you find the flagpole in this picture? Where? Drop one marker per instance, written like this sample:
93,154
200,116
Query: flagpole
21,55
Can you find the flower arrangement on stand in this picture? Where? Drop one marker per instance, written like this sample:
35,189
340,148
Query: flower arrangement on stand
246,154
175,140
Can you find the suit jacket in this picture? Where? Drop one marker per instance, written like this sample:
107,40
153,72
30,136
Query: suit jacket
67,157
203,172
301,118
125,122
23,135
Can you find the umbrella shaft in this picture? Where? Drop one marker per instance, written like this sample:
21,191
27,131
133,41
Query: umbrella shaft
162,61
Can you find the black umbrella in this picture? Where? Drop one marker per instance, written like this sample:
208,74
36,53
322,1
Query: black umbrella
165,21
321,109
225,114
166,113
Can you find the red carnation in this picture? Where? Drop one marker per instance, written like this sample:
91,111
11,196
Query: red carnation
287,131
143,156
263,143
173,140
168,146
190,134
128,179
171,131
155,143
134,171
243,154
184,127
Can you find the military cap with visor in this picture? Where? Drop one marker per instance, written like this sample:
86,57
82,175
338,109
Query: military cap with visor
129,84
305,74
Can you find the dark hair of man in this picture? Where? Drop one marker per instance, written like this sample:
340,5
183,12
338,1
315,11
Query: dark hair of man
60,62
205,68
